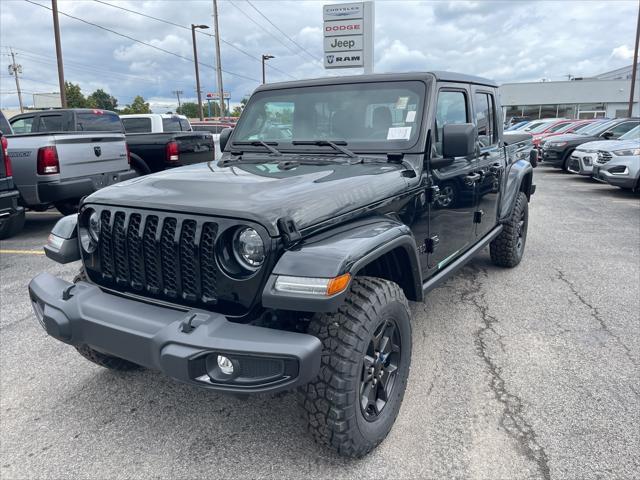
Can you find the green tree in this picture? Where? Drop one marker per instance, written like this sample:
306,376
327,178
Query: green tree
137,106
75,98
102,100
188,109
237,110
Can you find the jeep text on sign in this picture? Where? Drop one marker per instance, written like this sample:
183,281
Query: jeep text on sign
340,44
343,59
343,27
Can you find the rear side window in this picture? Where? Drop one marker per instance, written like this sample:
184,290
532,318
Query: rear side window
98,122
171,124
22,125
5,128
137,125
451,108
50,123
486,119
184,125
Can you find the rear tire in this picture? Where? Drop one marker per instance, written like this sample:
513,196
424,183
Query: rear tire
68,207
507,248
99,358
366,356
12,226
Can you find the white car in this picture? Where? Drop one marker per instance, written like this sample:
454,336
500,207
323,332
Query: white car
585,156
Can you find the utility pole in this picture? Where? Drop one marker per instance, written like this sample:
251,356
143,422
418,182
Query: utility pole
635,65
195,60
15,69
56,33
218,62
264,59
177,93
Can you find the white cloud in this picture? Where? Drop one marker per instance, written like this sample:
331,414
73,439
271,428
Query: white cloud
623,52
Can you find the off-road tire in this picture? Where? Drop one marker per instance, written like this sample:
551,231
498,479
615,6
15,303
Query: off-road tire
99,358
505,249
331,403
12,226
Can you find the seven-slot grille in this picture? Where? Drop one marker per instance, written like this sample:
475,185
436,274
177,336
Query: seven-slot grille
162,255
603,157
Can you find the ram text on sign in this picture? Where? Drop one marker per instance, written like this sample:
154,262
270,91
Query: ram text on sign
345,11
340,44
343,59
343,27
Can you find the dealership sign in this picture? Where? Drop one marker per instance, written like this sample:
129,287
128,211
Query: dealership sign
348,35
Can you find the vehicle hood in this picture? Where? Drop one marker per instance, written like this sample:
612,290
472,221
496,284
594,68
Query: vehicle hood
597,145
612,145
309,194
571,138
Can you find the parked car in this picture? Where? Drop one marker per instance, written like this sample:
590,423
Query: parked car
618,162
60,156
557,151
535,124
586,155
214,129
160,141
11,214
513,121
517,126
521,146
289,263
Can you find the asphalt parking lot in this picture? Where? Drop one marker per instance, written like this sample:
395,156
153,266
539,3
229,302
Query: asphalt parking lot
524,373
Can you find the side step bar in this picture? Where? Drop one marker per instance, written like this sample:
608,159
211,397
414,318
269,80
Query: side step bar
460,262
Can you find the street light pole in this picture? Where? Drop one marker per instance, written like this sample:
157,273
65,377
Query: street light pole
264,59
56,34
635,65
195,60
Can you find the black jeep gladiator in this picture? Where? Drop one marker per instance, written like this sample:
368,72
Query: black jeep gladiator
290,261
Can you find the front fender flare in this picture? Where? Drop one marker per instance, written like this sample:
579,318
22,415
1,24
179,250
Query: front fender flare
347,249
519,172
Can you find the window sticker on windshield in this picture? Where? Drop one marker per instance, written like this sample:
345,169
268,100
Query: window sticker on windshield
411,116
399,133
402,102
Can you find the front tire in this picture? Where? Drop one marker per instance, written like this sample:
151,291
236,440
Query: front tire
366,357
507,248
103,359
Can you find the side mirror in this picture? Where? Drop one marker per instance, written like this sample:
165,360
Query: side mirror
458,140
607,135
224,137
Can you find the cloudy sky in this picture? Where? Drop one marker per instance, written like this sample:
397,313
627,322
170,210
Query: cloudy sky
504,40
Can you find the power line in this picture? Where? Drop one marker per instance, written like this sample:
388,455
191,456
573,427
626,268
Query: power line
276,27
168,22
141,42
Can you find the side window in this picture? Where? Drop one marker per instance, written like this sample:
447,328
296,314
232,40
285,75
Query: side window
22,125
486,119
50,123
450,108
622,128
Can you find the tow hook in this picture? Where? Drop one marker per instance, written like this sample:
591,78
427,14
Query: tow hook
192,321
67,292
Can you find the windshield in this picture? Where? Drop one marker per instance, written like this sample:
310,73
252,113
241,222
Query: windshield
379,116
597,127
175,124
633,134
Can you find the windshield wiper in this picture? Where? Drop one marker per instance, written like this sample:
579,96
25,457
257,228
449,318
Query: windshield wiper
336,145
260,143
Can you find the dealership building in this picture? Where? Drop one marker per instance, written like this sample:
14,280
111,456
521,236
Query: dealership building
602,96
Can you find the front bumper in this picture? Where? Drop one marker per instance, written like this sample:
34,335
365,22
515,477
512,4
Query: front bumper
49,192
552,157
179,343
582,162
623,180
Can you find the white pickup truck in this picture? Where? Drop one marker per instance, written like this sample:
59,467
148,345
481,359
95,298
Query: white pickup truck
60,156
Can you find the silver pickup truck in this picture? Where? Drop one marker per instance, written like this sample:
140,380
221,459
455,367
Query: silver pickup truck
60,156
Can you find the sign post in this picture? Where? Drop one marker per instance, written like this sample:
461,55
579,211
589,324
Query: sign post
348,35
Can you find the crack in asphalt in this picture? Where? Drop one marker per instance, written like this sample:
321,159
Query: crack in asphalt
512,420
596,315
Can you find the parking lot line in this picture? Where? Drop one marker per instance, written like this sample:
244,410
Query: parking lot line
22,252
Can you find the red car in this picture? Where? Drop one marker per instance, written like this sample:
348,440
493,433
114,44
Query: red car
557,128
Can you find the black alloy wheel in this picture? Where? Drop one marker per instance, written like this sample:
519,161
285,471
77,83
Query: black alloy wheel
379,369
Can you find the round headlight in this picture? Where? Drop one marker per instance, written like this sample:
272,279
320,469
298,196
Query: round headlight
248,248
85,232
94,226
